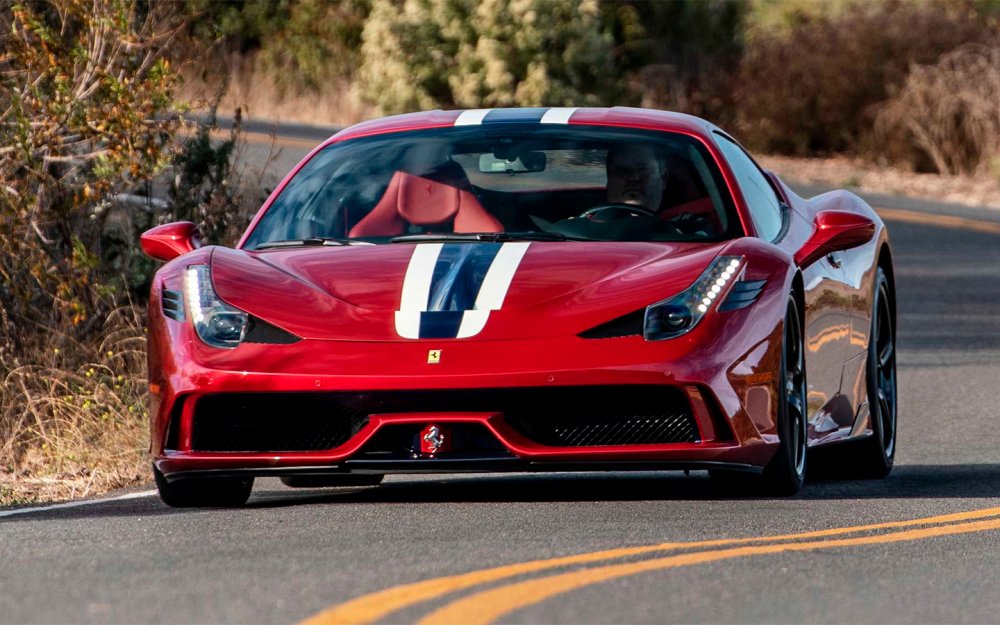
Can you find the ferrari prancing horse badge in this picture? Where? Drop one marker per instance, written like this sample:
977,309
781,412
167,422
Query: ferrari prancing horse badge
433,356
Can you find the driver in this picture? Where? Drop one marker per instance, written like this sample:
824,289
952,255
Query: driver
637,175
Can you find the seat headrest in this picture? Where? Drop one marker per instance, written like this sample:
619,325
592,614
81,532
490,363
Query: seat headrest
422,201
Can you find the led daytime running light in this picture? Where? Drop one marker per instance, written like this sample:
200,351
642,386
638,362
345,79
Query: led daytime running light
216,323
677,315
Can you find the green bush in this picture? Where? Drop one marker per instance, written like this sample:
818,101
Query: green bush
305,42
445,53
84,93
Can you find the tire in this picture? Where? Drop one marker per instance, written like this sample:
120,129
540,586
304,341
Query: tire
207,492
872,457
327,481
786,471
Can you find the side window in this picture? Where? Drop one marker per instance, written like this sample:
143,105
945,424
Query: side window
765,209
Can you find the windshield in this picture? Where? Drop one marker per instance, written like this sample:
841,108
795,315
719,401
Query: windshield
507,182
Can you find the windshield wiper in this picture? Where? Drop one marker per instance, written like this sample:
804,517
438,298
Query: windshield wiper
486,237
314,241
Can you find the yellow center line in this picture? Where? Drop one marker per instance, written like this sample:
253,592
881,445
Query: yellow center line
486,607
373,606
944,221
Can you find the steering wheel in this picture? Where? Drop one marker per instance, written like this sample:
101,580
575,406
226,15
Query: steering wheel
631,209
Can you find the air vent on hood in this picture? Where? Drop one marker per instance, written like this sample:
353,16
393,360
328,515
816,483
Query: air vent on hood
626,325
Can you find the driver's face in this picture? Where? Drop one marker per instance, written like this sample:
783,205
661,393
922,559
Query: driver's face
635,177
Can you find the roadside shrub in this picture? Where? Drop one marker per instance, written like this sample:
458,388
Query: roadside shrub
445,53
946,117
815,87
85,120
205,187
84,100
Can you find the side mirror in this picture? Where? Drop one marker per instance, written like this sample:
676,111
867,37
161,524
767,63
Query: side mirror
835,231
169,241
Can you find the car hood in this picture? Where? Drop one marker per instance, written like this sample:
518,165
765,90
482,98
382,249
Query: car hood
521,289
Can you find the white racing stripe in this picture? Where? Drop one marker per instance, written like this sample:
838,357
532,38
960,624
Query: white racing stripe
558,115
77,504
471,117
494,288
416,289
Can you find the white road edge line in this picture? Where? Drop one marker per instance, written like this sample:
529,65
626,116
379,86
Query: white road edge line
77,504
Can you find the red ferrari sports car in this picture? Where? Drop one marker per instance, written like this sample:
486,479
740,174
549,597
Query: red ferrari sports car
534,289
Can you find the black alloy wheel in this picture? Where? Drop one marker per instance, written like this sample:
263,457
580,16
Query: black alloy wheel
786,471
876,453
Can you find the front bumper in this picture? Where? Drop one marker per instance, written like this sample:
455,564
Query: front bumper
704,371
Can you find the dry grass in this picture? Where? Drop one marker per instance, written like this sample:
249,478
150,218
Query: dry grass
239,83
73,419
949,112
973,190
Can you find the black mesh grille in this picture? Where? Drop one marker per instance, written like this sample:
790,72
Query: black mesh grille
262,422
613,430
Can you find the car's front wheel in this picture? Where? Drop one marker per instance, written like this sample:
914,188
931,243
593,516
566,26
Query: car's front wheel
872,457
204,492
786,471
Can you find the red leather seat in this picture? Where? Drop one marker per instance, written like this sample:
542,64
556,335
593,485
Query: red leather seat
424,202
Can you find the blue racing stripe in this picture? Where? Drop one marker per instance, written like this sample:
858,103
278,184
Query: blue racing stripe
440,324
514,116
458,275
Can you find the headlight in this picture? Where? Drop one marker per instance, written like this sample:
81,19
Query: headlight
216,323
676,315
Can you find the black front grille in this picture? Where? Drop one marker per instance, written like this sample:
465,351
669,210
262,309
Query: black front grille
613,415
558,416
610,430
264,422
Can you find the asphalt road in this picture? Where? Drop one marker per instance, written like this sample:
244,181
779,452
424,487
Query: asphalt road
295,554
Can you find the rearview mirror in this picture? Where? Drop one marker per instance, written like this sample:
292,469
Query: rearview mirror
169,241
835,231
521,163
